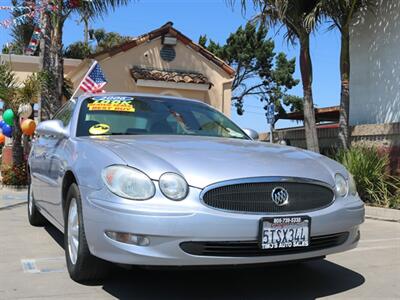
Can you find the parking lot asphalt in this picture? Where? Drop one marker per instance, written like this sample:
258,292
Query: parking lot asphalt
32,266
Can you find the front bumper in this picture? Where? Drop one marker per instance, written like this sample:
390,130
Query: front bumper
167,224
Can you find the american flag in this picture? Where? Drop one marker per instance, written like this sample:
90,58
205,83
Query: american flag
94,81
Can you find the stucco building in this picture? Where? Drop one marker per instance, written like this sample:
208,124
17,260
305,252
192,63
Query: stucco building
24,65
375,65
167,62
163,61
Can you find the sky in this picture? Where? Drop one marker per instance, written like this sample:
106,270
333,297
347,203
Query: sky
217,20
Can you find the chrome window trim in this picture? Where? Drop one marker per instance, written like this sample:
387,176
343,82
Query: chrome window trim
269,179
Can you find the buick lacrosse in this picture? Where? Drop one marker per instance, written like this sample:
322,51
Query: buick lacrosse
149,180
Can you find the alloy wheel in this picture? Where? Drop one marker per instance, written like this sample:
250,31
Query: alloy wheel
30,201
73,231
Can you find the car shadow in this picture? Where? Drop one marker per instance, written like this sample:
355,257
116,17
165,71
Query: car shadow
307,280
56,234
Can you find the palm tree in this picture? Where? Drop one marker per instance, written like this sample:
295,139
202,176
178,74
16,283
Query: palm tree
291,14
342,13
106,40
52,47
13,96
20,33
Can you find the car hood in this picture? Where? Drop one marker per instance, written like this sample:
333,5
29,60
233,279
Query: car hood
207,160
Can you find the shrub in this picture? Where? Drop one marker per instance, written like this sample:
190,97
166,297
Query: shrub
371,173
15,176
1,154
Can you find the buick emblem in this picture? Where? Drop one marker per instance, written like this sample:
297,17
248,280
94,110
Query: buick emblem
280,196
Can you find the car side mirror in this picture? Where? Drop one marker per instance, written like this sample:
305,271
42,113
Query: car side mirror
52,128
251,133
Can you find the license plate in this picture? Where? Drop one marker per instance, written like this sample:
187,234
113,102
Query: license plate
284,232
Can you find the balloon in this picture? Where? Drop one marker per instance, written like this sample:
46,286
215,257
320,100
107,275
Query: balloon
2,124
8,117
2,138
28,127
7,130
25,110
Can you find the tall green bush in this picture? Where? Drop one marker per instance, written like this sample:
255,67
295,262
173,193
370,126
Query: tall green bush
371,173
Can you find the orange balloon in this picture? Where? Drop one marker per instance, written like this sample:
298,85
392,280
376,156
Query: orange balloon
2,138
28,127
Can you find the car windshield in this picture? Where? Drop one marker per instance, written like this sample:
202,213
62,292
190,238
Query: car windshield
134,115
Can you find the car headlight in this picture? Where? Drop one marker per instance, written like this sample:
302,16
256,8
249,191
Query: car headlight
173,186
341,186
128,182
352,186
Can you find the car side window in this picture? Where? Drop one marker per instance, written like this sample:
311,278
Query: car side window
65,113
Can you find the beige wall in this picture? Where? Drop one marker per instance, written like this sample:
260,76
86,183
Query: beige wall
375,65
117,70
22,71
200,95
23,65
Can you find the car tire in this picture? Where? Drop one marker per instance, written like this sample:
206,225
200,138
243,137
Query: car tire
81,264
34,216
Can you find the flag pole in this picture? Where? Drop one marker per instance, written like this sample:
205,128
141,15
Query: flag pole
95,62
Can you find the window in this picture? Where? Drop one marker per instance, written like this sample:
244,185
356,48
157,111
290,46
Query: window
120,115
65,113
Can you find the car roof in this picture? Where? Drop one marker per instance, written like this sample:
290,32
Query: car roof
144,95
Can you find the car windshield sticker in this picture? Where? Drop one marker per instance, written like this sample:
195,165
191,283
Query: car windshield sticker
121,105
99,129
113,98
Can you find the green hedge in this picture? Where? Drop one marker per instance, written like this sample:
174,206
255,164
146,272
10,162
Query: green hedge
370,170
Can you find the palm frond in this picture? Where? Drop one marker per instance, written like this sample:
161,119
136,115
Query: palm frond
29,91
8,83
342,12
98,8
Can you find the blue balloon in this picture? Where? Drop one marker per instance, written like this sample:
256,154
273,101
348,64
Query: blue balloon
2,124
7,130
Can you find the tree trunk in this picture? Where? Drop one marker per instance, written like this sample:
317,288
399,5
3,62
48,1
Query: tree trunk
52,63
86,29
46,85
58,64
17,150
344,92
306,76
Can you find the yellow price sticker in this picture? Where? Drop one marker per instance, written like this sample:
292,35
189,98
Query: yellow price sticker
99,129
111,105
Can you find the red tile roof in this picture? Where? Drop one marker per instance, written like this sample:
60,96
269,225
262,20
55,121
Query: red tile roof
170,76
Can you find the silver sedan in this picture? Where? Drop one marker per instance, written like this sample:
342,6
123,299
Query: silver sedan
160,181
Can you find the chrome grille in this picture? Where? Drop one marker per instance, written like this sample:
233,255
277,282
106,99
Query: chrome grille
255,197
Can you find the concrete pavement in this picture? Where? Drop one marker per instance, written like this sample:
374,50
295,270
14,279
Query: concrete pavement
32,266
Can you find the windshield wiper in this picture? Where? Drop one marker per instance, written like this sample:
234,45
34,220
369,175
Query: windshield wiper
115,133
